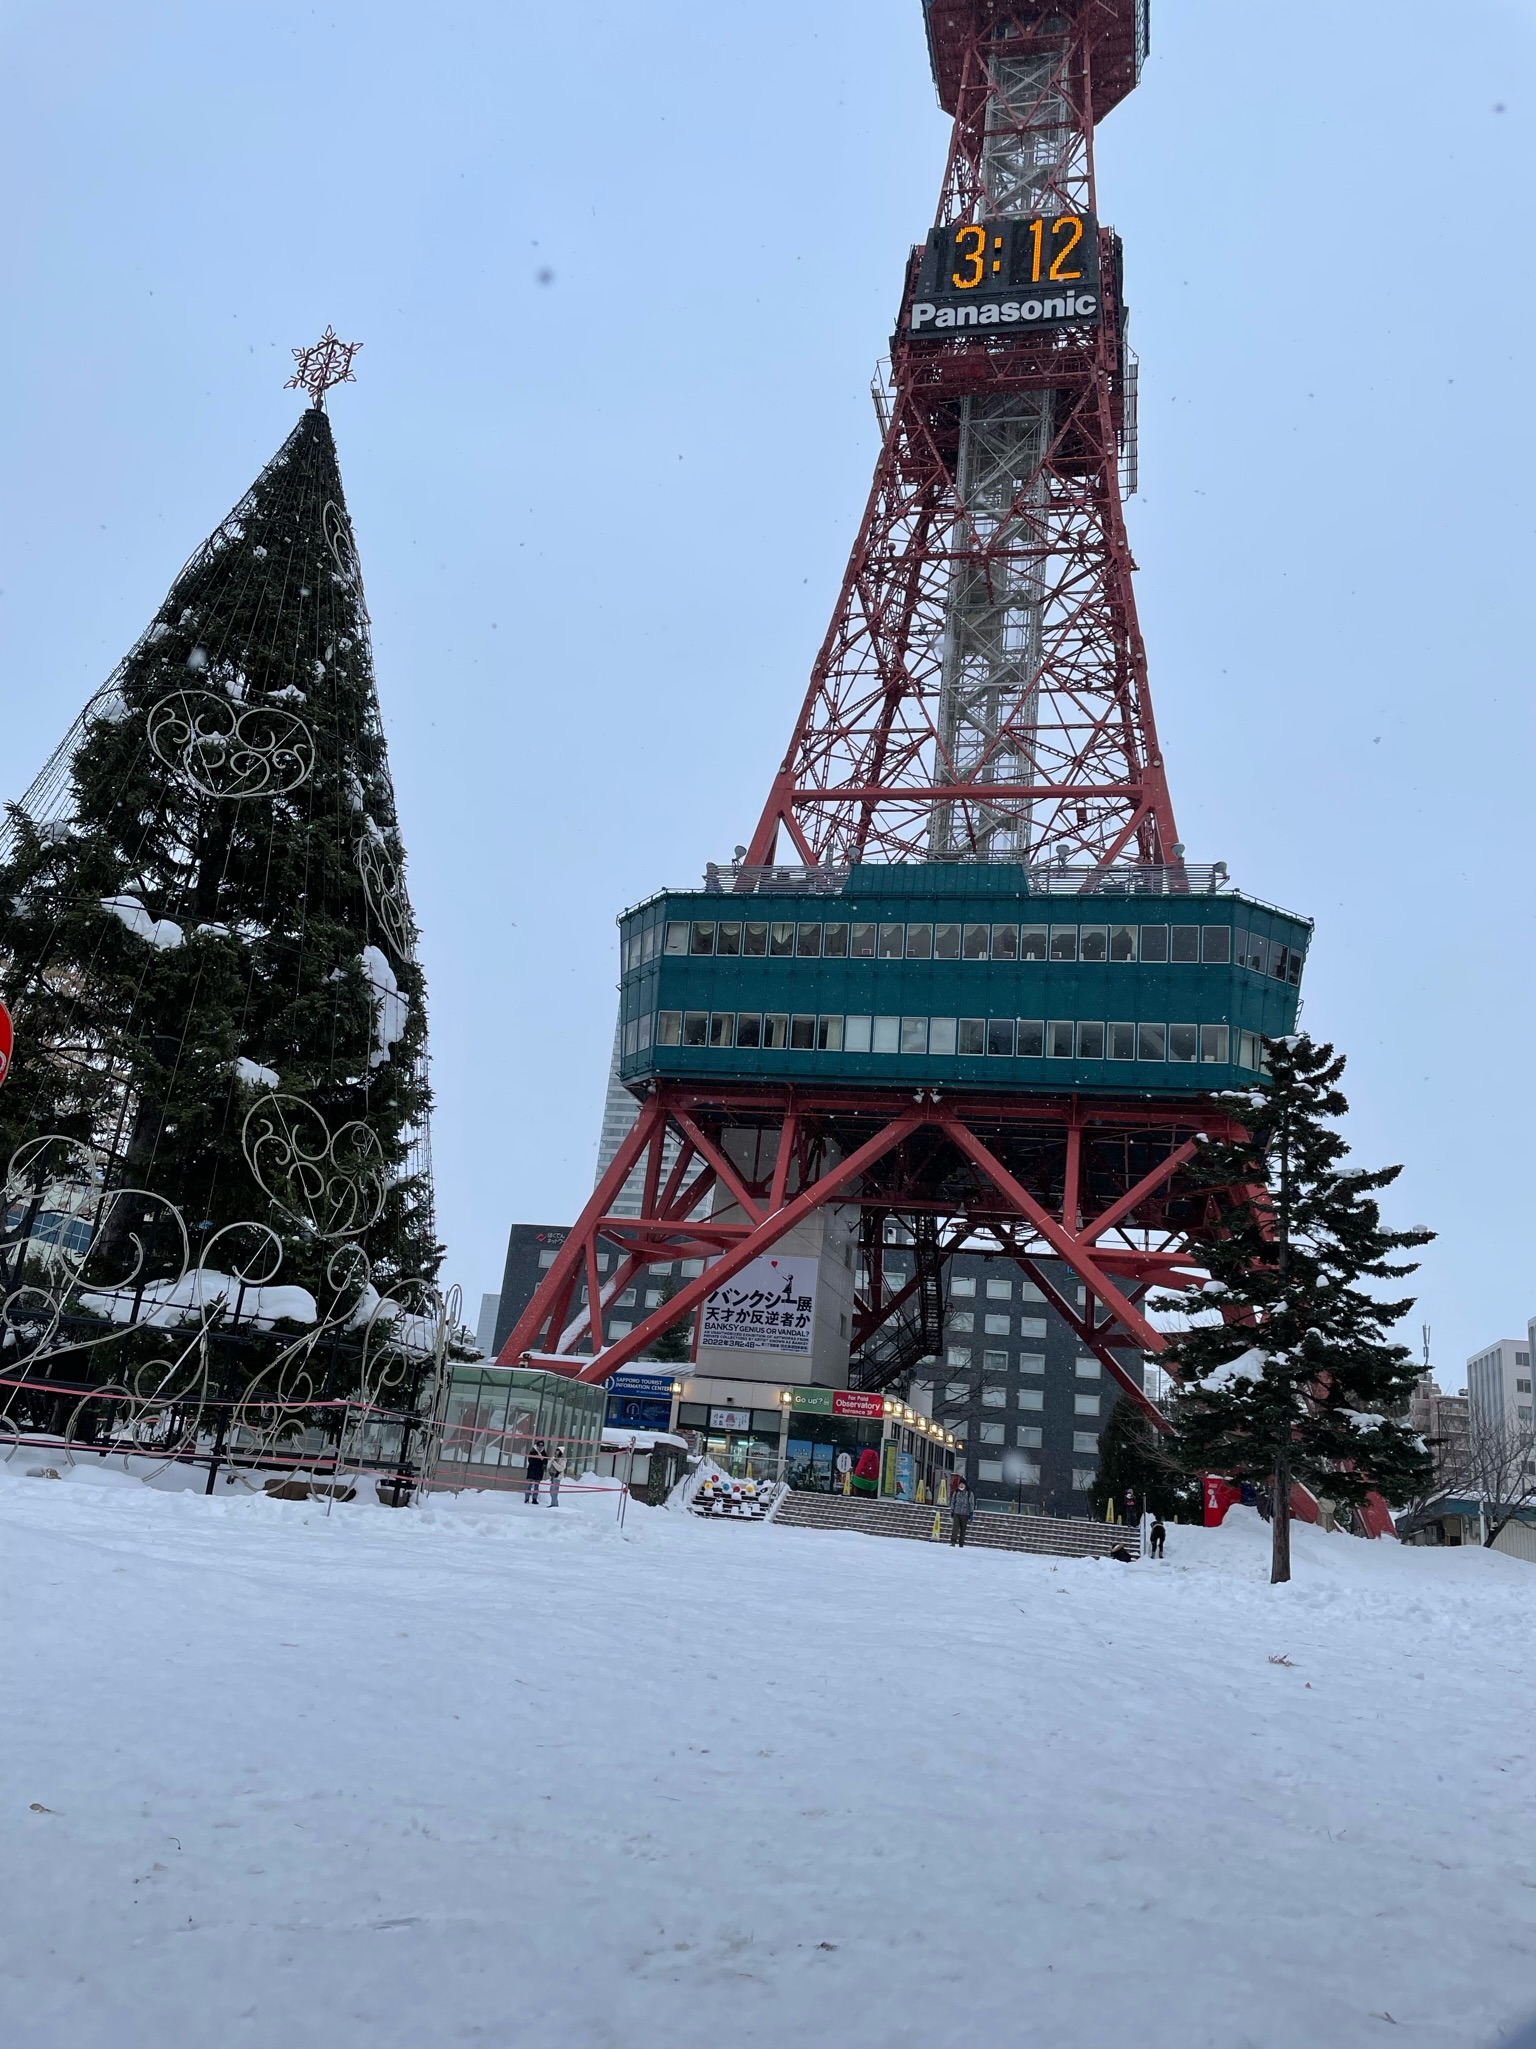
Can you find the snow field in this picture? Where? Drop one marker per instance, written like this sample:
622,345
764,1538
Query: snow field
493,1774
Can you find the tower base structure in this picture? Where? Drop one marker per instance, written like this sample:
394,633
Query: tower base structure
1096,1185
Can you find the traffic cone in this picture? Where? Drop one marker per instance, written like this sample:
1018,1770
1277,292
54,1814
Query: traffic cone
938,1526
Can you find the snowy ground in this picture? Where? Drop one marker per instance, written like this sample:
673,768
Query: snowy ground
494,1775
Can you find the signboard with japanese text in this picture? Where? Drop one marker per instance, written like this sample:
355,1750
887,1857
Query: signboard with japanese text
730,1419
770,1306
837,1401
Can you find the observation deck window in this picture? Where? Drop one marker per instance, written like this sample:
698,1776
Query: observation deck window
1093,942
802,1035
1031,1038
1151,1042
1005,942
1215,944
861,942
834,942
1000,1035
919,942
856,1034
1185,943
728,939
829,1035
973,1035
1059,1036
887,1036
1213,1042
1034,942
775,1031
1122,942
722,1028
749,1029
1122,1042
781,940
695,1027
1090,1042
677,936
946,942
703,937
1063,942
975,942
1154,942
1183,1042
891,938
941,1034
754,939
914,1035
808,942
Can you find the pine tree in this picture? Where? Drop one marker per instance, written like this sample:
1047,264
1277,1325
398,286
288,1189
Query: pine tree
675,1345
1296,1380
1135,1459
207,948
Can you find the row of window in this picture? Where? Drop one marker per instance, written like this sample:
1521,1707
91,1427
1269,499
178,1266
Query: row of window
1024,1472
957,1357
1026,1436
1021,1038
813,940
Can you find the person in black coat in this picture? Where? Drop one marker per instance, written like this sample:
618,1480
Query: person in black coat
538,1465
962,1506
1159,1537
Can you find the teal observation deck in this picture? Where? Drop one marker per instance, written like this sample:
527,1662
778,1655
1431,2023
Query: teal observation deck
1134,981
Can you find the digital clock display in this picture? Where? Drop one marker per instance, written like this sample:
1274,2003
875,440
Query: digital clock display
1042,272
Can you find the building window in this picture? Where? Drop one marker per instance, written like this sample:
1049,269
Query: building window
1213,1038
1522,1387
994,1398
994,1362
1060,1035
990,1433
960,1319
1087,1369
1024,1472
775,1031
1031,1397
972,1035
957,1355
997,1326
1151,1042
1030,1436
1031,1038
887,1037
941,1034
963,1284
1085,1404
616,1329
1090,1042
626,1300
989,1469
914,1035
960,1428
1122,1042
999,1291
1085,1440
856,1034
957,1390
1032,1326
547,1259
654,1297
1031,1362
802,1034
1083,1476
695,1027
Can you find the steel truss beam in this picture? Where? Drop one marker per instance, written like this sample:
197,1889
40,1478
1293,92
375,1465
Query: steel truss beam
1100,1185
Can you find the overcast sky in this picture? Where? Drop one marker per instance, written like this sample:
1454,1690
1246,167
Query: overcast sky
622,273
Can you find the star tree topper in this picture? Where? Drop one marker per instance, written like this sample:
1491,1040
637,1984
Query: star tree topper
328,362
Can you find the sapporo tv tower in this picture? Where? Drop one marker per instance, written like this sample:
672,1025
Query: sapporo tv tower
964,979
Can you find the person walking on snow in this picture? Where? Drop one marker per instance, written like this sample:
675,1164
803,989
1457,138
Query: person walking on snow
962,1505
538,1465
1159,1537
556,1475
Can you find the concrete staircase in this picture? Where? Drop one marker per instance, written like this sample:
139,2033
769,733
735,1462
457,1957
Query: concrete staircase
1046,1536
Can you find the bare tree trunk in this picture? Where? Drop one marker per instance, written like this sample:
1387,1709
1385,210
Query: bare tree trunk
1280,1523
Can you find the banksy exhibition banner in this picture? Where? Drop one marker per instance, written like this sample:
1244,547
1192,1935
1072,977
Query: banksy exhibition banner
770,1306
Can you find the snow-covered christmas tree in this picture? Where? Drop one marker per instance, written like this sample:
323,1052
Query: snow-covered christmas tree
215,1128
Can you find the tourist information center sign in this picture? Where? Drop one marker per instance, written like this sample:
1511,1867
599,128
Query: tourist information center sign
770,1306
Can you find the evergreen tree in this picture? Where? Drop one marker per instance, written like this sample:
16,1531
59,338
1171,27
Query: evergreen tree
1297,1380
1135,1459
209,955
675,1345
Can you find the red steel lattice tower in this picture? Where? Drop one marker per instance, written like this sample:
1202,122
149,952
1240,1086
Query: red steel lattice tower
976,744
982,689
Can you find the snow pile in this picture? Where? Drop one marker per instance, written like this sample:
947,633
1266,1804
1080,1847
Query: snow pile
254,1075
161,932
344,1776
389,1006
1247,1365
182,1301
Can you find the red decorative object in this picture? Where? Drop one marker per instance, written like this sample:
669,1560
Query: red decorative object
6,1042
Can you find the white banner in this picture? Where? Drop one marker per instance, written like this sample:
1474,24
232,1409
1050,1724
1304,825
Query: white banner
770,1306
